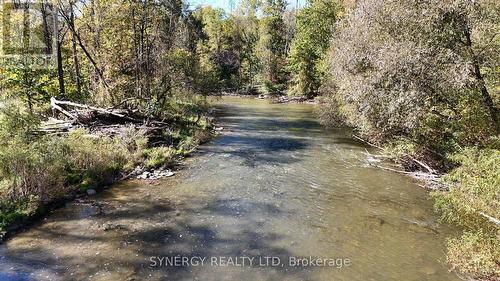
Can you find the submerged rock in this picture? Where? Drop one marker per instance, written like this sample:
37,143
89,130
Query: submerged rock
91,192
144,175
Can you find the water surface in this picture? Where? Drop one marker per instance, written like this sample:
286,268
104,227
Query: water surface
274,184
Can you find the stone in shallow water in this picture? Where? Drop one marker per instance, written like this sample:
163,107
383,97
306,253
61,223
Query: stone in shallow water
91,192
167,173
143,176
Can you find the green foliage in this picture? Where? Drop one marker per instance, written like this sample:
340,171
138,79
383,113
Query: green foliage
97,161
15,121
26,163
474,193
401,69
474,188
33,86
158,156
12,211
315,24
38,170
227,49
419,78
271,47
476,254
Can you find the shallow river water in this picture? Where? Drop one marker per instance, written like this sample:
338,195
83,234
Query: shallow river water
274,187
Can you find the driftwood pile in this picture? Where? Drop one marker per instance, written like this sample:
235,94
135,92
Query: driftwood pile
100,121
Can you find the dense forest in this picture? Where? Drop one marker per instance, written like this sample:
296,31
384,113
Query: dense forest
418,78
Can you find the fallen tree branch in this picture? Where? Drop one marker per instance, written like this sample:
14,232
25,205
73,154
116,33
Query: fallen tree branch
422,164
365,141
490,218
53,103
393,170
377,155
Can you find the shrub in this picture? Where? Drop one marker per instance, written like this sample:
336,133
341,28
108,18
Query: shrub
15,210
98,161
473,187
158,156
473,193
202,136
402,68
29,165
34,169
476,254
15,121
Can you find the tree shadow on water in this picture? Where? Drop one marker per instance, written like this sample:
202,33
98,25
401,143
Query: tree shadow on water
230,227
258,150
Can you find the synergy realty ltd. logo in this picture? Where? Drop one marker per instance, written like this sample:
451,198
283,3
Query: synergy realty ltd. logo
29,33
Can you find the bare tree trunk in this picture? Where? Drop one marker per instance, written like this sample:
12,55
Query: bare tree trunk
75,53
485,95
137,75
95,16
60,70
85,51
46,32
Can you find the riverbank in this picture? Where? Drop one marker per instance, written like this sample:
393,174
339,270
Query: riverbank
465,194
42,173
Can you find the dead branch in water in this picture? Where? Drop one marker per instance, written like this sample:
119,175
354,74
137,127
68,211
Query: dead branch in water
365,141
422,164
418,162
431,180
431,177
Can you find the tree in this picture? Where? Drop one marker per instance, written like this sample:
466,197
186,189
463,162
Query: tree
315,25
405,69
247,24
271,48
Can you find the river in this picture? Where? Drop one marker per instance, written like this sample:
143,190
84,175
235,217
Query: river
274,187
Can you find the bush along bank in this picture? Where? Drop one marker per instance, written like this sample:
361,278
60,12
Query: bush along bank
421,77
38,170
466,188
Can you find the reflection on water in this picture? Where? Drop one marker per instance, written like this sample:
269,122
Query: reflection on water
274,184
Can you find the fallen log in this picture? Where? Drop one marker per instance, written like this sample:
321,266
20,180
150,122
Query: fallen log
365,141
56,104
